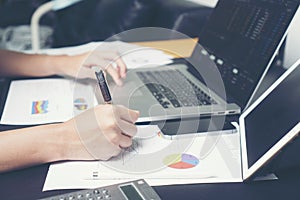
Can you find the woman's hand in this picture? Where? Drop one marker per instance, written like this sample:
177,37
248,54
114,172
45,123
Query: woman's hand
80,66
99,133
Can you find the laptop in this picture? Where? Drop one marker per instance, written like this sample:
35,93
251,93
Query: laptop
238,45
270,123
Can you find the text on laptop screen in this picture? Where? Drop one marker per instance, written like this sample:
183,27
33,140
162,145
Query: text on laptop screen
242,36
277,114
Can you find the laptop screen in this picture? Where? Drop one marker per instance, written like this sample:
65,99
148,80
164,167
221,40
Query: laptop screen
242,36
272,118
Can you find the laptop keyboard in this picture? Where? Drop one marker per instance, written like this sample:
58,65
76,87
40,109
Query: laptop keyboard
172,89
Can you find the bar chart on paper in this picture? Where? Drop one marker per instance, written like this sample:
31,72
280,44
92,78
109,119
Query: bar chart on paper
39,107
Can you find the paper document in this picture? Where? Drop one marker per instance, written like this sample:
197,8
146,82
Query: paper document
40,101
158,160
146,57
133,55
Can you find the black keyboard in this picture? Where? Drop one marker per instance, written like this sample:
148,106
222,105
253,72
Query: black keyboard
172,89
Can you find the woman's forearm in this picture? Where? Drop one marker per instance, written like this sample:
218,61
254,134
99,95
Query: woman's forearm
20,64
96,134
30,146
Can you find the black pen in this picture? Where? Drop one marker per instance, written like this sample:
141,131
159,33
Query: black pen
103,87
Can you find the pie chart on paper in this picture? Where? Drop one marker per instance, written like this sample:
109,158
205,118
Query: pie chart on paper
181,161
80,104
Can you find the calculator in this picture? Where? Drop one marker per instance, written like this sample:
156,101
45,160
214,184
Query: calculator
133,190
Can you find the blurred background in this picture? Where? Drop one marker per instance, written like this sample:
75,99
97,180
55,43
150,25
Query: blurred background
98,20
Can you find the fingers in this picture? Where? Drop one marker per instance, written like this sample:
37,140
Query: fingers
125,141
113,130
122,67
124,128
109,61
128,114
115,74
119,140
117,70
127,128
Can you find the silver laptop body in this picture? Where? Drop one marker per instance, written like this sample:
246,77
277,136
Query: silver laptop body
138,96
241,58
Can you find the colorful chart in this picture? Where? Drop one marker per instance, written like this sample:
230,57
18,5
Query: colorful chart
39,107
181,161
80,104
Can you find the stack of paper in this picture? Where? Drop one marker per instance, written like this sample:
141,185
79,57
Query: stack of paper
158,160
